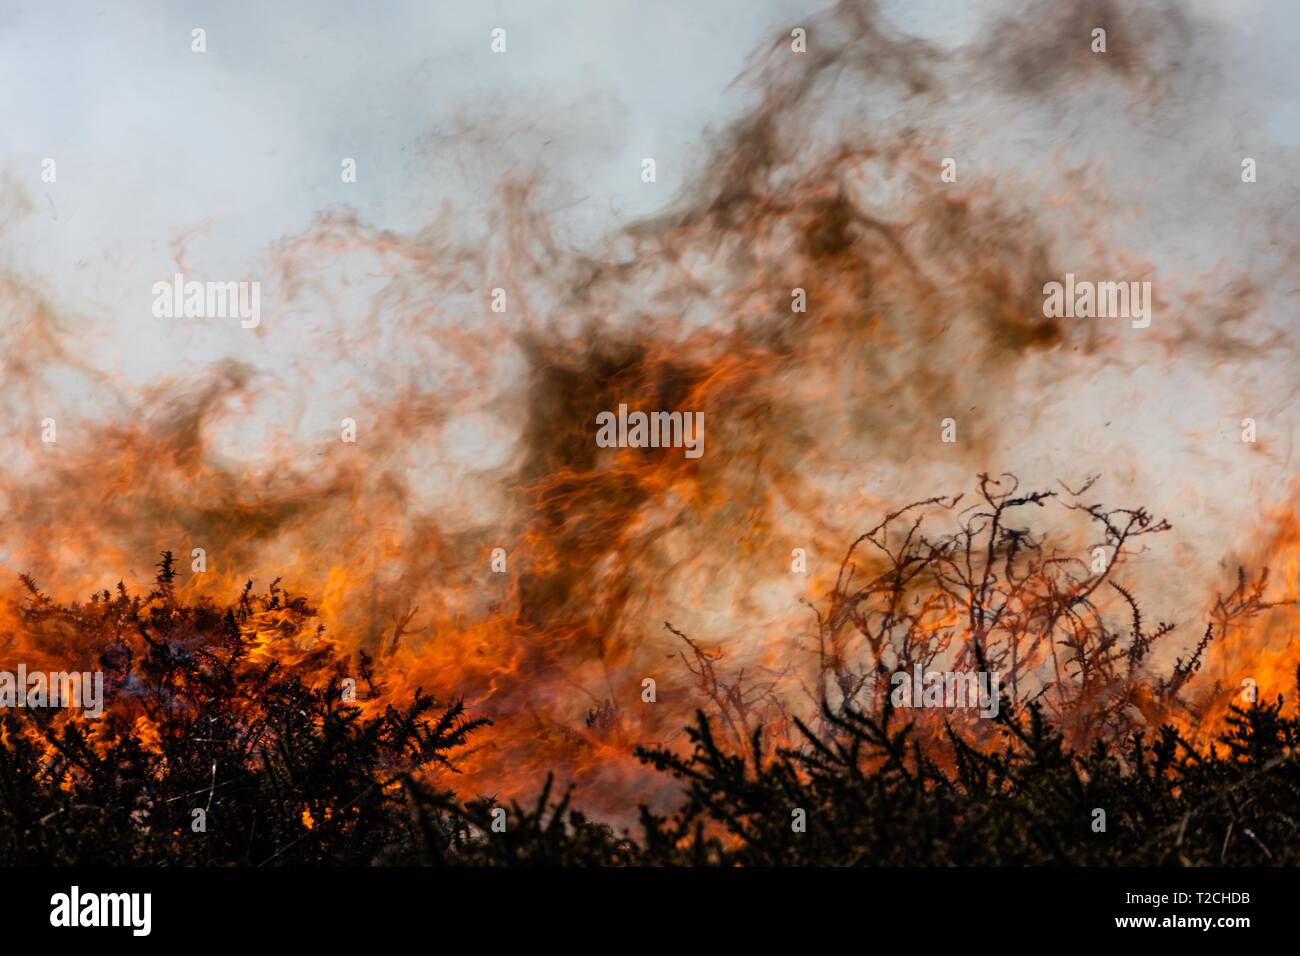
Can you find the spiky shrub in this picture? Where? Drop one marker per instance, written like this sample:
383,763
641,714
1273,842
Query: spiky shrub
237,711
976,585
205,755
994,594
874,797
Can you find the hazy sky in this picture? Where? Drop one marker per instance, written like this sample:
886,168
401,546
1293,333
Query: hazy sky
213,159
240,146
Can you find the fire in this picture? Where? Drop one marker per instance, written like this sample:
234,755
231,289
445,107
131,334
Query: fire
477,432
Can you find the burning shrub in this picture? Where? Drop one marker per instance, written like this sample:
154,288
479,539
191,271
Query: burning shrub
874,797
992,604
206,755
996,597
231,734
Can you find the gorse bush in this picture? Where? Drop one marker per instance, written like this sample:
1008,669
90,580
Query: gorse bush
228,739
294,774
874,797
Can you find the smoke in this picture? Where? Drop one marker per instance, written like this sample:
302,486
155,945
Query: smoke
924,305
